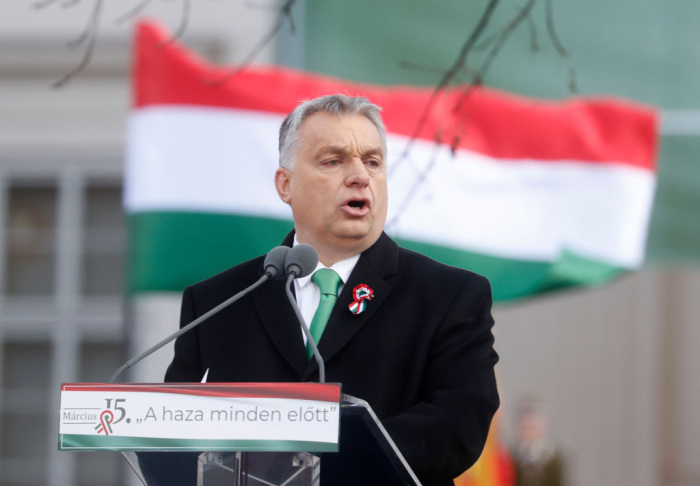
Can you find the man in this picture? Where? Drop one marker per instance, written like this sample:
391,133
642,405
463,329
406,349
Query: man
537,461
420,351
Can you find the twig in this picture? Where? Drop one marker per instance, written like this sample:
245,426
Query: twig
184,21
284,14
457,66
491,39
417,183
549,16
532,29
91,27
92,30
573,82
477,81
44,4
558,45
486,65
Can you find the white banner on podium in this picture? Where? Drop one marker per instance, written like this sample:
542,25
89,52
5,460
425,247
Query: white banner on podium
199,417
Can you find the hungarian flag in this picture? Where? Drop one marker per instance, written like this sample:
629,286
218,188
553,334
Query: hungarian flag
533,194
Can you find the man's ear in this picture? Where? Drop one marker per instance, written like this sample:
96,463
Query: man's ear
283,180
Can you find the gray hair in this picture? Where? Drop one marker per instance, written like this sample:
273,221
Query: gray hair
335,105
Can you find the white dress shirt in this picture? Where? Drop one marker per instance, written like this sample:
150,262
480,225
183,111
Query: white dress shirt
309,295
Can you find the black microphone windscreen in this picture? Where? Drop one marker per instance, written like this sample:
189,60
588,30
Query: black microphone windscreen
274,261
301,260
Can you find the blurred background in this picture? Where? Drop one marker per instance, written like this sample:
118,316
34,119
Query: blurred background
612,367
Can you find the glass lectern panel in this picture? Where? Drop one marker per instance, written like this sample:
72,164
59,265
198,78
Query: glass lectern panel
367,455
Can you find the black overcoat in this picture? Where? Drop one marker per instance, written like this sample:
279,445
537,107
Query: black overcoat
421,353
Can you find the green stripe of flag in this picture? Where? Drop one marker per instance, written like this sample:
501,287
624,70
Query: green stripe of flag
513,279
170,250
120,443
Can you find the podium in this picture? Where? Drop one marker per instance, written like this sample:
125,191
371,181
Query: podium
363,453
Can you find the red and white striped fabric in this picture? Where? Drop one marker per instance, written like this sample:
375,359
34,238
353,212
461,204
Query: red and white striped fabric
535,195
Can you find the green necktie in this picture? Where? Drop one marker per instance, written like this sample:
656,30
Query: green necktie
328,282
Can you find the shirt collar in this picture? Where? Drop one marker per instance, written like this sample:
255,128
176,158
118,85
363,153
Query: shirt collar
343,268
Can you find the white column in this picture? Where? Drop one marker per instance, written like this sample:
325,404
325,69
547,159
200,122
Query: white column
646,403
155,316
65,335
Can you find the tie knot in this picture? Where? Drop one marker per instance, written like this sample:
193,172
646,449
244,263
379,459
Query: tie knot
327,280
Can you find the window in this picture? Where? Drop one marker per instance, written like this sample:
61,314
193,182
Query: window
31,239
62,246
103,243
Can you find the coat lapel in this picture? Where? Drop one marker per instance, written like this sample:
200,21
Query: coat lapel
280,322
371,269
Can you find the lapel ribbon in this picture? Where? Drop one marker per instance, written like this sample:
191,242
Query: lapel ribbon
362,293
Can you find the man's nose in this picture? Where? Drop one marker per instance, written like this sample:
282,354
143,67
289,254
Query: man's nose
357,173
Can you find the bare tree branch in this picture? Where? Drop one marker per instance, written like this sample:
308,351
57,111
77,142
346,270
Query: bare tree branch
532,29
525,14
417,183
91,31
44,4
503,37
91,28
284,15
448,77
558,45
549,17
573,83
184,22
492,38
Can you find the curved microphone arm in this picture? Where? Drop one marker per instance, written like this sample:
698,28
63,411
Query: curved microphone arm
189,326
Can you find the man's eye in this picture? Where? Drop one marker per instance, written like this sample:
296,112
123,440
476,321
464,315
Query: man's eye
332,162
374,163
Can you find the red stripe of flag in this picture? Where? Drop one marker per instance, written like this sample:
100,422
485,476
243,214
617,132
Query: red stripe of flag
492,123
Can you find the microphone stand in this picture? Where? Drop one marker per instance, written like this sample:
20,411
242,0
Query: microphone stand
302,259
305,328
189,326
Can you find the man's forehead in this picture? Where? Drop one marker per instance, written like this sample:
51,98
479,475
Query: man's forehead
330,120
329,130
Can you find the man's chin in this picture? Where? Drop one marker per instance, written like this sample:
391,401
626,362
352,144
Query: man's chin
357,238
352,230
340,242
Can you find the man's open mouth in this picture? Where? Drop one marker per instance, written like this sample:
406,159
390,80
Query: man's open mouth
357,207
359,204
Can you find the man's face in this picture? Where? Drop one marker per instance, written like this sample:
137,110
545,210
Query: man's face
337,188
531,427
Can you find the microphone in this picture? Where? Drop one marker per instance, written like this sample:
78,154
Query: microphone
300,262
274,264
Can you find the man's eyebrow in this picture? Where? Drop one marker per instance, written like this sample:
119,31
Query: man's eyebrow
374,151
342,150
333,149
